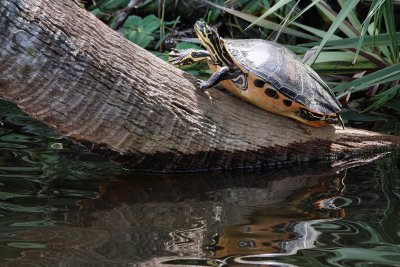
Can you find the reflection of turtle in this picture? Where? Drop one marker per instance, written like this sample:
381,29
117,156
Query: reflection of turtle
265,74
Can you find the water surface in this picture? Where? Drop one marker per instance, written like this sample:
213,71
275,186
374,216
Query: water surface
61,205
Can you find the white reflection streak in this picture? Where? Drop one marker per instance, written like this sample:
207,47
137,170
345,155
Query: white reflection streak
188,241
306,241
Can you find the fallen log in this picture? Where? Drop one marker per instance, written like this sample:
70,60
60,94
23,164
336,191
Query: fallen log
63,66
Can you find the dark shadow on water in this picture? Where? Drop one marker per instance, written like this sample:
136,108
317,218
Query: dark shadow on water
62,206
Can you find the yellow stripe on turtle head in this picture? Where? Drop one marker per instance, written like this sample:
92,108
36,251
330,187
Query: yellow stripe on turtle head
214,44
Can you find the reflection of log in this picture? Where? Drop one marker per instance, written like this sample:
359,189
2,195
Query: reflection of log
144,219
80,77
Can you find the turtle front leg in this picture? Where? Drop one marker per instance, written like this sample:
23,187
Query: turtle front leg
224,73
187,57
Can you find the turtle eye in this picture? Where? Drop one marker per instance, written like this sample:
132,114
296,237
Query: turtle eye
207,31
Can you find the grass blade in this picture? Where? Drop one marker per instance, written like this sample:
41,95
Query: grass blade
335,57
369,41
391,29
304,10
351,16
344,26
395,104
316,32
373,9
387,74
262,23
341,67
274,8
350,4
381,99
285,21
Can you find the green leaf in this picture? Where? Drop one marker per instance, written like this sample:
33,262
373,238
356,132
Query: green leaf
350,4
390,25
187,45
370,117
313,3
140,31
132,22
342,67
263,23
297,49
335,57
379,100
274,8
164,56
253,7
97,12
395,104
213,15
369,41
150,24
316,32
387,74
110,5
374,7
140,38
339,19
351,16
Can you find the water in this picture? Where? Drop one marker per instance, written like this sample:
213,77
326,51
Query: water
63,206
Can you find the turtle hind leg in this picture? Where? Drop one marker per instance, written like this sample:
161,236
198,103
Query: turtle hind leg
318,120
187,57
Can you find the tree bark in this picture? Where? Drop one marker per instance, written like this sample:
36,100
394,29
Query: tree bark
60,64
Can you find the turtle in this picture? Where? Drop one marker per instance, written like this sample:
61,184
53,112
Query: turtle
265,74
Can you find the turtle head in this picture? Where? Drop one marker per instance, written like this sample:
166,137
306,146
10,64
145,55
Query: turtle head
211,40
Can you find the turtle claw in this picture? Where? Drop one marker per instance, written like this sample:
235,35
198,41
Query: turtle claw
180,57
202,85
187,56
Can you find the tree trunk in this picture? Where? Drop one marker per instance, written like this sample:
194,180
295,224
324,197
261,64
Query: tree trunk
60,64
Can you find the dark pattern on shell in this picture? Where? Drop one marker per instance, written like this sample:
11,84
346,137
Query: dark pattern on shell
284,71
287,102
271,93
259,83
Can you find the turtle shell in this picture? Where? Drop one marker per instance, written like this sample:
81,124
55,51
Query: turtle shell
284,70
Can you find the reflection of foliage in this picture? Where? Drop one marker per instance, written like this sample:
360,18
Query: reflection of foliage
389,171
38,156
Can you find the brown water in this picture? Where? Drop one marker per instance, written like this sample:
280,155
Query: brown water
63,206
